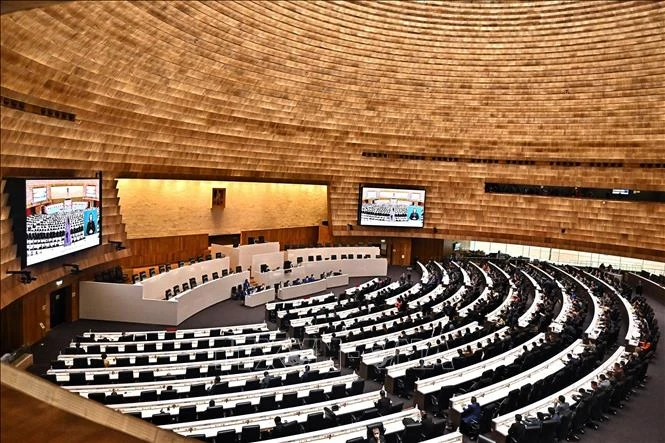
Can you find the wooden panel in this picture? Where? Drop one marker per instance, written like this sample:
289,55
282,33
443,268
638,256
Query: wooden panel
156,251
427,249
306,235
11,325
36,410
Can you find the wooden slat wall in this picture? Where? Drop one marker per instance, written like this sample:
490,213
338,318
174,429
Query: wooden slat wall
297,91
48,272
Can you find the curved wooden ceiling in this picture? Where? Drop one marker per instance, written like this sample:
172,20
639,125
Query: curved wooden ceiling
298,90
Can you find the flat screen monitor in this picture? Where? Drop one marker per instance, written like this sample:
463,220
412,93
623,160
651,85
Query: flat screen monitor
55,217
391,206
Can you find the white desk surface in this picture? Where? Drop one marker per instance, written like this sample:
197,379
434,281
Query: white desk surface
433,384
502,424
266,420
164,369
399,370
260,298
301,290
496,391
239,339
392,423
150,408
199,332
180,384
153,356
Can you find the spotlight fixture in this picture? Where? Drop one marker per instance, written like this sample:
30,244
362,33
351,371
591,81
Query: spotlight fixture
118,245
26,276
75,268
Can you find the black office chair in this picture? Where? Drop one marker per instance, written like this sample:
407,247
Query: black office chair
226,436
168,394
150,395
250,433
267,403
99,397
161,419
243,408
186,414
215,275
412,432
315,422
204,278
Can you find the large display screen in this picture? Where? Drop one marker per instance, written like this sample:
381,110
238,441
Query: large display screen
391,206
61,216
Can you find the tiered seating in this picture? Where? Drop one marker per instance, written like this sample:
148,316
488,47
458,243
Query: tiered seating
512,335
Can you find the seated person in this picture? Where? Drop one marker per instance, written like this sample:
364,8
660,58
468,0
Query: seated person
383,404
376,436
516,430
470,415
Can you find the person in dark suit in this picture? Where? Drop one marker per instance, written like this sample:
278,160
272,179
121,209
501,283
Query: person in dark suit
470,415
428,425
516,430
90,228
383,403
376,436
278,429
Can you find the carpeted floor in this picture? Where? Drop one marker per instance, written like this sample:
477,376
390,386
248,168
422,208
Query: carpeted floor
641,421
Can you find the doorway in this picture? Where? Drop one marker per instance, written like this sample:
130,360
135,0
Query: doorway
61,306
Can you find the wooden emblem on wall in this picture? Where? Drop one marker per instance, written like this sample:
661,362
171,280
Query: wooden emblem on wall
218,197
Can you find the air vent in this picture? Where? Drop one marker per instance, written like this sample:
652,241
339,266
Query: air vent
34,109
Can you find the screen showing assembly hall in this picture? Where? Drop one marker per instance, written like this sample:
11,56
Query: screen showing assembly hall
391,206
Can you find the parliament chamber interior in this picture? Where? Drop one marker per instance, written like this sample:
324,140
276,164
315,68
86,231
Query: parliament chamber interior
332,221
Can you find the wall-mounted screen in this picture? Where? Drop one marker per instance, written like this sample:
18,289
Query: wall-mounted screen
61,216
391,206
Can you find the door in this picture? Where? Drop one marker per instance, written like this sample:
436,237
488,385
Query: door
60,302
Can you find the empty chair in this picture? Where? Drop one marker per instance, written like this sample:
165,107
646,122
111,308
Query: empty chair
80,362
168,394
125,377
338,391
186,414
101,379
250,433
412,432
76,378
150,347
212,412
357,387
315,422
226,436
243,408
99,397
267,403
146,376
192,372
142,360
290,400
150,395
316,396
197,390
161,419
